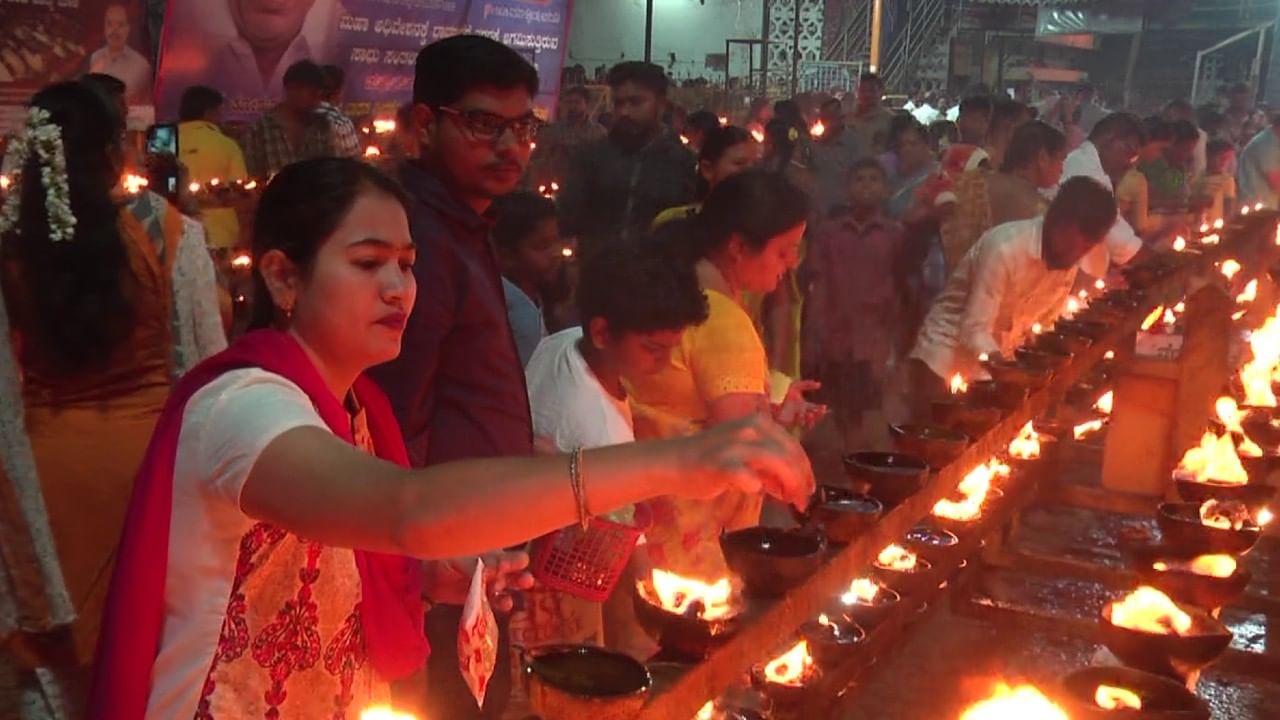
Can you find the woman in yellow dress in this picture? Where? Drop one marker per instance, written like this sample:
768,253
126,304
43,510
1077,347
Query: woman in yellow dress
746,238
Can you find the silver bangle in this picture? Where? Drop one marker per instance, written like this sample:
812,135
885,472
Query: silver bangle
579,489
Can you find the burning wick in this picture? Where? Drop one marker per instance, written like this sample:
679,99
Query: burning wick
818,129
251,185
1204,227
756,135
1180,243
1036,328
372,151
133,184
861,591
1110,355
1214,459
1150,611
1224,514
983,357
1217,224
1181,307
684,140
895,557
1024,702
1264,517
6,182
1073,307
382,127
1257,207
1085,429
723,120
1105,403
1213,239
1027,445
1114,698
677,595
566,252
1219,566
1244,210
1249,294
1100,285
707,712
1230,267
384,712
242,261
958,385
791,667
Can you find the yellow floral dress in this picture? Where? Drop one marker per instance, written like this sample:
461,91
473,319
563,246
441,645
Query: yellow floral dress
723,356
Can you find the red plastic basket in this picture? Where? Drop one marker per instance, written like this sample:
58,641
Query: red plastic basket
584,563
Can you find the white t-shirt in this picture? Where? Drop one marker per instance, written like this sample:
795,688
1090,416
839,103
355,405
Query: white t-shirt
225,427
570,406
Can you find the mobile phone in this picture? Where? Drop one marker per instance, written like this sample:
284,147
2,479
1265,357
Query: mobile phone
162,139
162,161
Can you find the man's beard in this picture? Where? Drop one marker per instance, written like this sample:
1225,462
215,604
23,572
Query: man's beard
629,135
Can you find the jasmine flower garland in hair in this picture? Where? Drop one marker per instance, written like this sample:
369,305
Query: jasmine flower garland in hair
44,138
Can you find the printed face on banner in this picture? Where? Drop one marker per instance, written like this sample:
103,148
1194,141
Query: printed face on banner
116,27
269,24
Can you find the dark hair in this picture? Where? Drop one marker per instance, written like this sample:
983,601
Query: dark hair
756,205
197,102
1084,203
1178,106
1216,148
69,301
871,78
703,121
977,103
450,68
640,288
305,73
579,91
901,125
1028,140
1118,125
779,132
301,208
112,86
334,78
1210,119
515,215
645,74
1007,112
1157,129
1239,87
867,163
831,101
718,141
1184,131
789,112
944,129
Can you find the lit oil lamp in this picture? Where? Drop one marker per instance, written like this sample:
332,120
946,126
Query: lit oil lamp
1230,267
133,184
723,120
1206,581
1218,224
372,151
832,642
5,183
1109,691
385,712
1244,210
756,135
684,140
689,617
1105,403
383,126
867,603
786,679
1257,207
1249,294
1180,243
969,414
1109,697
1024,702
903,570
1087,428
1026,446
818,129
1149,631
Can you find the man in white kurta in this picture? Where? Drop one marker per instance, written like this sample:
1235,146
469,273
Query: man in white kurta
1016,275
1109,153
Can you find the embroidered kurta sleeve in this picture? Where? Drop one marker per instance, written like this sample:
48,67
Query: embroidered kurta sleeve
993,275
726,355
33,595
198,331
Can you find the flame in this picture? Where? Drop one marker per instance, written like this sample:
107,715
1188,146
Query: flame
1085,429
1239,314
1264,518
684,140
566,251
1257,206
676,594
251,185
382,127
1151,611
533,146
791,667
5,182
1213,459
1219,566
193,188
1230,267
1115,698
1249,294
1100,285
1244,210
958,385
1036,328
242,261
1204,227
1027,445
1180,243
1152,317
1218,224
1073,307
818,129
1110,355
133,184
1024,702
372,151
1105,403
895,557
384,712
1257,374
757,135
723,120
863,590
1224,514
983,357
1181,307
707,712
825,621
214,182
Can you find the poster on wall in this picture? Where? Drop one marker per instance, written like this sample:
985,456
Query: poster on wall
243,47
43,41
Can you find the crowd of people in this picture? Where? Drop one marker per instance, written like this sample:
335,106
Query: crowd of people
501,329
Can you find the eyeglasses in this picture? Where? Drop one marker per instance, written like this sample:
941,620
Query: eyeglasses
488,127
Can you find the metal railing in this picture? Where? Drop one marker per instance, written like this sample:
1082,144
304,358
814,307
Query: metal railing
853,42
926,25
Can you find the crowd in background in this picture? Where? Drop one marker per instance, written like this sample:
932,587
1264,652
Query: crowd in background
487,285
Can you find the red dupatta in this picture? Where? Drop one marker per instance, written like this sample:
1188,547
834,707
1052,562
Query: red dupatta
391,608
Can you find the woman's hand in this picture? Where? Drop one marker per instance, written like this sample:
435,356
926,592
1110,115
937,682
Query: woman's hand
752,455
795,412
447,581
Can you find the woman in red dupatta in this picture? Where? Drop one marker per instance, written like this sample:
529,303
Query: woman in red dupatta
237,593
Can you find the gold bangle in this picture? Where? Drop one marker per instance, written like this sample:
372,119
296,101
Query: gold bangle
579,490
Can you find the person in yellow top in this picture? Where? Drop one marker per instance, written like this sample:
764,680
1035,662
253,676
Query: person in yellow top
726,151
1133,194
745,239
208,154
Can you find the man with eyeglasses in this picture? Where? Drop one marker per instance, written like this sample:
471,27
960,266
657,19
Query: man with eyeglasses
458,387
619,184
1109,153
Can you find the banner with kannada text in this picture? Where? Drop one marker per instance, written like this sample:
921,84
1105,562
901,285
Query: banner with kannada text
242,47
